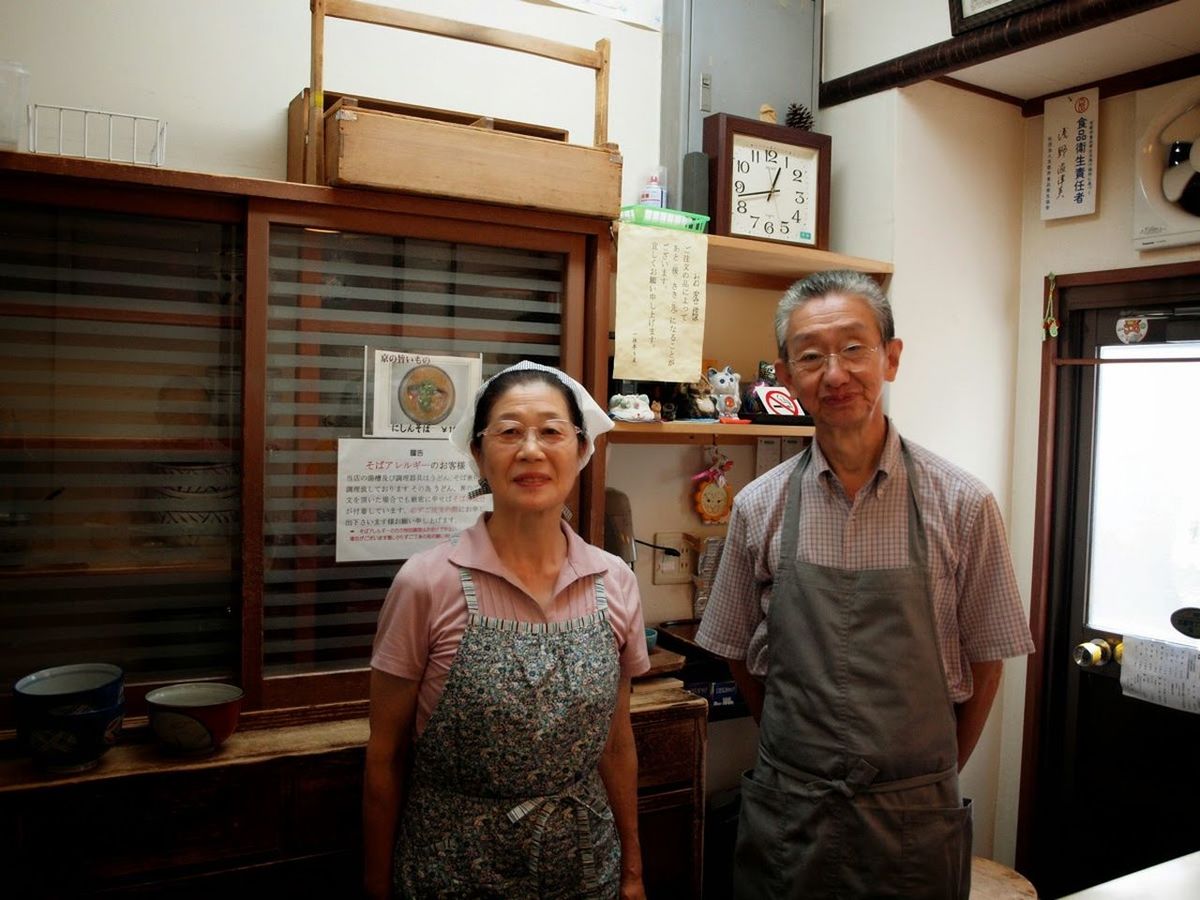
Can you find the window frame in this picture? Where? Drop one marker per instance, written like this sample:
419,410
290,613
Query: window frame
255,207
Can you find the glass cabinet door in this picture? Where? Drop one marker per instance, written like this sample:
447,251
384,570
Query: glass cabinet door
332,293
120,423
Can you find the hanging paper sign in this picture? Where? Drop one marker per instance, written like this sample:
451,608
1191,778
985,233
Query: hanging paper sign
1160,672
777,401
396,497
1132,330
661,286
1069,130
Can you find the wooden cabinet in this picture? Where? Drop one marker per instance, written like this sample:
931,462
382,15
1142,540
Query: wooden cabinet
670,727
735,266
279,809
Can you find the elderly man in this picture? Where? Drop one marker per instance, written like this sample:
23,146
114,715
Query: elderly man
865,602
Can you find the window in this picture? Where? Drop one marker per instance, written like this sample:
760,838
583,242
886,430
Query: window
156,515
331,294
120,345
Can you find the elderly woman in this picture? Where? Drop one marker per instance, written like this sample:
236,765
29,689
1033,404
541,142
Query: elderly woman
501,759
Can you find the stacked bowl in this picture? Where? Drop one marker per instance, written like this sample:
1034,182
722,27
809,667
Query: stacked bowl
69,716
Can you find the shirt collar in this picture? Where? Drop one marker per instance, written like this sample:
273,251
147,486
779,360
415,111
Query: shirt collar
475,550
888,461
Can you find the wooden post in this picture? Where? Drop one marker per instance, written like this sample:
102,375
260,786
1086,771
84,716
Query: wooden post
314,147
601,136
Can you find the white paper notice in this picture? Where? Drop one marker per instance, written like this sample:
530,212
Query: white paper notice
420,396
398,496
1160,672
661,290
1069,130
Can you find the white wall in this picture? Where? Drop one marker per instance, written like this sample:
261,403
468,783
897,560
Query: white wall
1096,242
915,182
861,33
221,72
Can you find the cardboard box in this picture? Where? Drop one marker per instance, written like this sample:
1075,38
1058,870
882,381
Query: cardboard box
790,446
766,455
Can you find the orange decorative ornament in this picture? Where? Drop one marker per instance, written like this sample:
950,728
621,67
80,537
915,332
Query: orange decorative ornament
713,498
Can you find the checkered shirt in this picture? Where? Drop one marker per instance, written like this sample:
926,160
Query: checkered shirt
977,608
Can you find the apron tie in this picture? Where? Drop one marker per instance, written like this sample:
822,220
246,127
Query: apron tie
860,778
545,806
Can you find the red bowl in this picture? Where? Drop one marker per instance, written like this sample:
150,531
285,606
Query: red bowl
194,717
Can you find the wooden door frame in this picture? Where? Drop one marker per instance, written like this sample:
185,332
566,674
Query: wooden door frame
1072,292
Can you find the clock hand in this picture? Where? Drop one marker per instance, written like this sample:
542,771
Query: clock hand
774,181
769,192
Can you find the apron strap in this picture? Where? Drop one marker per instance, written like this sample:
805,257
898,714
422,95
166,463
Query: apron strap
545,807
918,542
601,594
790,534
468,586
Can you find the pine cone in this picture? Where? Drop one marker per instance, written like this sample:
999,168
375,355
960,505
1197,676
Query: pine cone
799,116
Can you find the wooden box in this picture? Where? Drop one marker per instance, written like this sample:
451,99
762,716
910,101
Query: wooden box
393,146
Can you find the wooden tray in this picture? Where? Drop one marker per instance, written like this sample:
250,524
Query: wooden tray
378,144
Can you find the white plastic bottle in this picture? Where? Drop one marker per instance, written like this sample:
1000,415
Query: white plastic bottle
654,191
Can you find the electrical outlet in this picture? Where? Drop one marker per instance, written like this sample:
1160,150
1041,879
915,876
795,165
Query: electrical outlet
670,569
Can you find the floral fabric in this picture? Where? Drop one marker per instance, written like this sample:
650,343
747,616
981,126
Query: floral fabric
505,798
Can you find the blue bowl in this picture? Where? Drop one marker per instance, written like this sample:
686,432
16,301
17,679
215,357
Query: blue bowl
71,741
63,690
88,685
651,638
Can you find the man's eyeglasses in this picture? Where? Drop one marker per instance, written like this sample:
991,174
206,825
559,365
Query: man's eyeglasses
551,433
853,357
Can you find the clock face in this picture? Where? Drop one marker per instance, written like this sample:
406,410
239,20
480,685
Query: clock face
773,190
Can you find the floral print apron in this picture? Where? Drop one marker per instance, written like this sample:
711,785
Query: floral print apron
505,798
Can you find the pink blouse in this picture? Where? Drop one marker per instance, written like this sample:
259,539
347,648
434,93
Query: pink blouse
425,614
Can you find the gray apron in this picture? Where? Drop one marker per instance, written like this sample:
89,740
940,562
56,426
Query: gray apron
855,791
505,799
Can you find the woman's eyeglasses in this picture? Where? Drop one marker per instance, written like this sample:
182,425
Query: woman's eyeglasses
551,433
853,357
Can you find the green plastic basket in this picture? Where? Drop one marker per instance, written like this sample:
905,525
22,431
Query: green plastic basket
661,217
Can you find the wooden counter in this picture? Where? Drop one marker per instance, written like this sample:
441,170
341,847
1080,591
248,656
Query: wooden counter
279,810
1176,878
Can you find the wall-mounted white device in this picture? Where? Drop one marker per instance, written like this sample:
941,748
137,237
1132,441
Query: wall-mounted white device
1163,115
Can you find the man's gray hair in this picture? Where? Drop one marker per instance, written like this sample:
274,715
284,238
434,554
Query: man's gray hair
839,281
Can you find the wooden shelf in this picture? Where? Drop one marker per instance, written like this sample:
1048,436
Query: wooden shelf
743,262
698,433
740,261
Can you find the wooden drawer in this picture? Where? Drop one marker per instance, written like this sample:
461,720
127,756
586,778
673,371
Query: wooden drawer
666,753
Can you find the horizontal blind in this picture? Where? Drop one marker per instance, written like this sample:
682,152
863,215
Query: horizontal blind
331,295
120,385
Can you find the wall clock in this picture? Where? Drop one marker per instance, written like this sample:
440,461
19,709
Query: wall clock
768,182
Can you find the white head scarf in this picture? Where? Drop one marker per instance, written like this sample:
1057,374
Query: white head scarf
595,420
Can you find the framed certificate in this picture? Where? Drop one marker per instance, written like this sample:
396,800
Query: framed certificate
968,14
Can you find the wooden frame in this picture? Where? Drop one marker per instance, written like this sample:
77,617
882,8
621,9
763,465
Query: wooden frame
257,205
961,20
1105,289
720,130
1039,25
405,148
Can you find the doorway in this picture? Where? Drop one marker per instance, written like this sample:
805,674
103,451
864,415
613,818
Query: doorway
1111,784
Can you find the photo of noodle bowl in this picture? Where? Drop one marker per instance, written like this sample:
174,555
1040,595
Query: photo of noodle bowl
426,394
